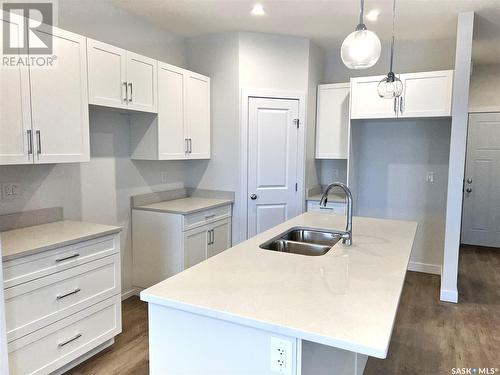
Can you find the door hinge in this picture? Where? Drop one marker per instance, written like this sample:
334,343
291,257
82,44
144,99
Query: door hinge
296,186
296,122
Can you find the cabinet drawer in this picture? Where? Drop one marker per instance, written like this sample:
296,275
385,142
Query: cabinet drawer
38,303
204,217
31,267
332,207
52,347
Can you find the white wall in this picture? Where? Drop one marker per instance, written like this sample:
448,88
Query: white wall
100,191
392,160
410,56
484,94
217,56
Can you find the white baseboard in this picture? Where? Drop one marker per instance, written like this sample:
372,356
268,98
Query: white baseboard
434,269
130,293
449,295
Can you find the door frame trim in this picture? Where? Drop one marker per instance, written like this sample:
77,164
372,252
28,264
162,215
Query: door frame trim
241,233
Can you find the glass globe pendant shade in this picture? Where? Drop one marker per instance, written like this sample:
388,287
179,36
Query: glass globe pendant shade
361,49
390,87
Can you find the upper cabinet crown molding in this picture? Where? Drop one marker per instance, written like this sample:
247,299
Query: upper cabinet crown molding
426,94
121,79
332,121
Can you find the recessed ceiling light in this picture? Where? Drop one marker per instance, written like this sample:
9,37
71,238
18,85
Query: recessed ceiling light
372,15
258,10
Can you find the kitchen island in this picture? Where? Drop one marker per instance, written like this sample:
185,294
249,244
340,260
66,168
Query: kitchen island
255,311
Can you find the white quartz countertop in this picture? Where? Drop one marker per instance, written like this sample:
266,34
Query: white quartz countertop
347,298
185,206
26,241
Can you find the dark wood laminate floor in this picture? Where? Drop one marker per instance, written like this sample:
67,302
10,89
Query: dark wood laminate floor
430,337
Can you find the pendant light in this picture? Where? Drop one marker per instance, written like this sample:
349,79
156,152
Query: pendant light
361,49
391,87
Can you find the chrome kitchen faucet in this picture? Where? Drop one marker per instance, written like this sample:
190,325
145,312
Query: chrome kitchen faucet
347,235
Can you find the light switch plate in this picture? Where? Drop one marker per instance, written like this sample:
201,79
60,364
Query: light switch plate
429,178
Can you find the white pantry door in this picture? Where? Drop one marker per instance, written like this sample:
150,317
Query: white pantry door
272,162
481,209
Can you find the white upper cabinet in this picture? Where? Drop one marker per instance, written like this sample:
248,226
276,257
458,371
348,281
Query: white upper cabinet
121,79
59,103
332,121
198,115
15,115
182,128
365,101
107,74
44,109
142,83
427,94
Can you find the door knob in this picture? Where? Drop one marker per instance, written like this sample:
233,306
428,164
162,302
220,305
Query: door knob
468,190
253,197
469,180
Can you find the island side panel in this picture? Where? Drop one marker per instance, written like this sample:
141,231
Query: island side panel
321,359
185,343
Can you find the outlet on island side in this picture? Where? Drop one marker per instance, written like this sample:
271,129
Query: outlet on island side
10,191
281,356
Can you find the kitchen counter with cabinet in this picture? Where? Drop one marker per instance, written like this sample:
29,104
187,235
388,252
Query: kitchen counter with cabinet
340,306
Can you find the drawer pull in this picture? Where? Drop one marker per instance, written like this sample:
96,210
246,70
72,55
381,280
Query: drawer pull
326,208
67,258
63,343
209,216
61,296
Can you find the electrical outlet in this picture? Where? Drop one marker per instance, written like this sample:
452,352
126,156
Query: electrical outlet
429,177
11,190
281,356
164,179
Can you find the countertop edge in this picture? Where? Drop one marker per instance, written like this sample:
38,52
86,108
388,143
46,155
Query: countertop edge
258,324
24,253
183,212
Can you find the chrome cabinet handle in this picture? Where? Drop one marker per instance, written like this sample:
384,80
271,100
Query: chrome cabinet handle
209,216
190,145
210,235
66,342
468,190
61,296
38,142
131,91
126,91
30,142
67,258
326,208
395,106
253,196
401,105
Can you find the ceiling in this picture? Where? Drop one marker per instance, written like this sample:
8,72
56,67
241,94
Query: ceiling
326,22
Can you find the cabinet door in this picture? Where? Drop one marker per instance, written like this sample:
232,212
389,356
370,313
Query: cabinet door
220,237
107,74
426,94
365,101
171,131
195,246
142,83
15,115
59,102
332,122
198,115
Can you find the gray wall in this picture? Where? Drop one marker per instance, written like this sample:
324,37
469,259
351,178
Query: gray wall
484,92
99,191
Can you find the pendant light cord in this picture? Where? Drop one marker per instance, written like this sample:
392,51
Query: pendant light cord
393,30
362,12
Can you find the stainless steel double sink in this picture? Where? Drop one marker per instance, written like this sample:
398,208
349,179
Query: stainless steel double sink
303,241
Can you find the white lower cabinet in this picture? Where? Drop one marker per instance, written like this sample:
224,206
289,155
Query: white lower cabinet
164,243
62,304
